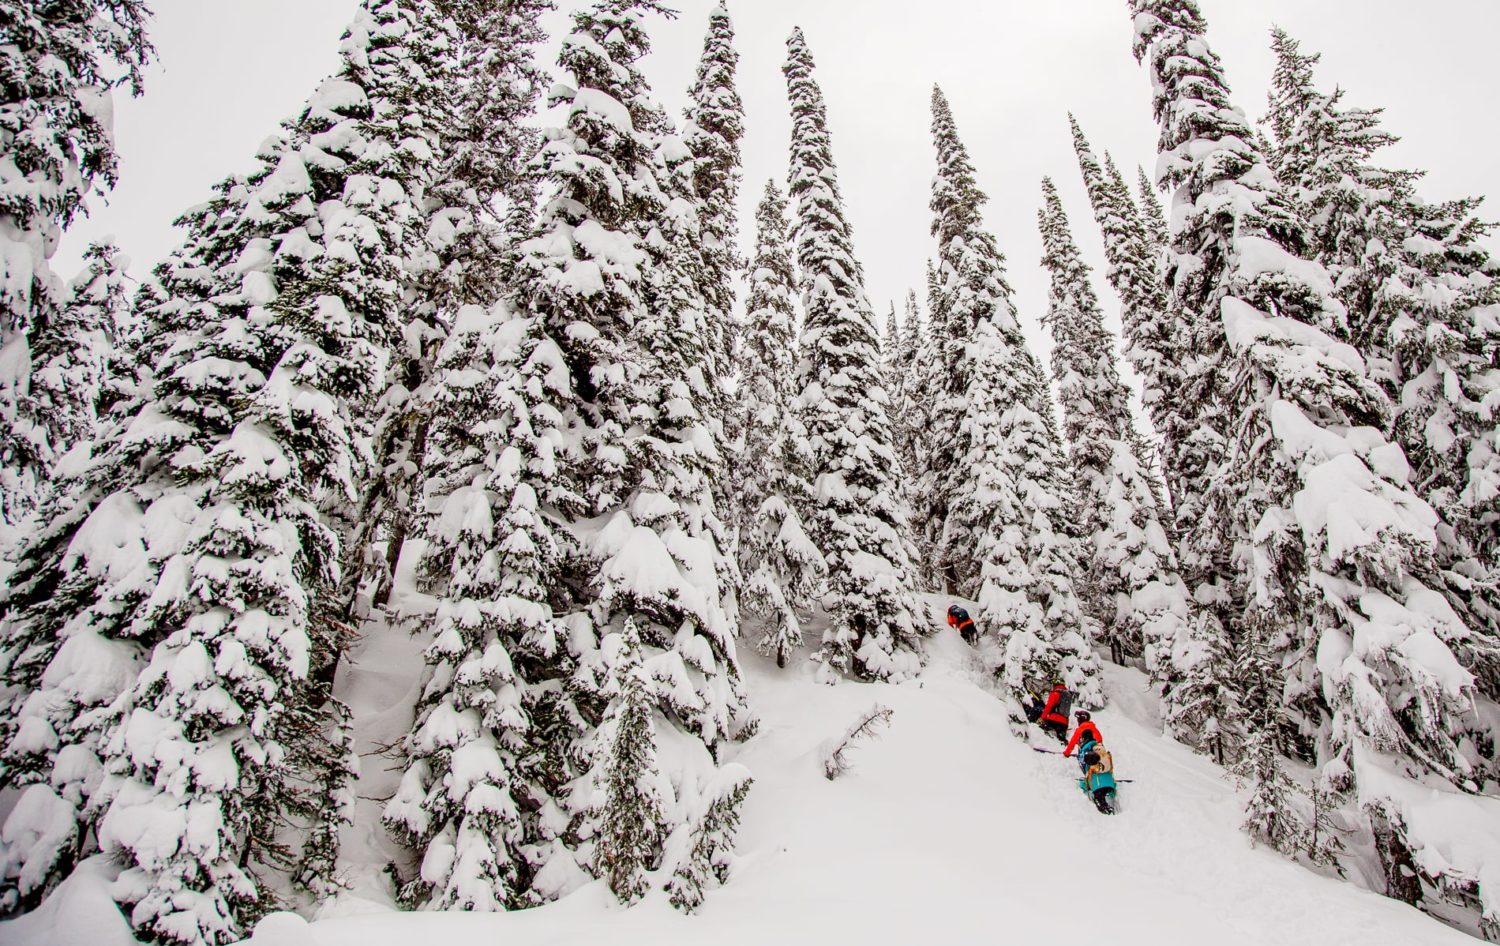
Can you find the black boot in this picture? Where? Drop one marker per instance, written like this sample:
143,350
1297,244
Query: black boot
1104,800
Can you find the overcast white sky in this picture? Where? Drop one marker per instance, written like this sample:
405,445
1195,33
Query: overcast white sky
231,69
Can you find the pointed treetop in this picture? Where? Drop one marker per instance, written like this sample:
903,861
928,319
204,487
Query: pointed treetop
956,197
1291,82
1088,162
714,128
1152,214
813,178
715,100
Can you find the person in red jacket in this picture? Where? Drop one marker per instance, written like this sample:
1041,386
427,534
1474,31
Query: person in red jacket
1086,732
1054,717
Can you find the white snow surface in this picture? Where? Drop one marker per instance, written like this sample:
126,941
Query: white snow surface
946,829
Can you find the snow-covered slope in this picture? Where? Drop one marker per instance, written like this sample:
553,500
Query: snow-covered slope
946,830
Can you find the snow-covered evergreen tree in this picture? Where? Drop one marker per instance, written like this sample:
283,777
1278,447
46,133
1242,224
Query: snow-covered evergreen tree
918,406
74,354
1151,211
782,567
491,559
1418,288
860,524
710,859
61,63
609,273
913,326
1152,339
1323,159
198,552
1371,686
1012,500
994,488
715,124
1158,342
460,99
1279,813
901,358
628,778
499,81
1129,578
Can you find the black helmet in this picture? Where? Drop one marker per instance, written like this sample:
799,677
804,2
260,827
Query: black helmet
952,609
1082,716
1091,758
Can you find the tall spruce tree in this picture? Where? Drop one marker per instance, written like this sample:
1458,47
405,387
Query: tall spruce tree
608,271
77,351
918,409
1372,689
1151,211
477,773
1198,671
782,567
1129,580
499,82
61,63
900,358
859,525
892,370
465,87
715,125
1418,287
994,486
912,328
1152,340
198,553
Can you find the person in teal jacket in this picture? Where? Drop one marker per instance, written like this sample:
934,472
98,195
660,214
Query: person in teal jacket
1098,780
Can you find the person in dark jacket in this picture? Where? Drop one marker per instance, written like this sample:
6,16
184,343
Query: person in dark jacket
959,618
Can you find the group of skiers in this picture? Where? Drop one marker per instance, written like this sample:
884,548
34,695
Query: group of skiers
1095,761
1051,714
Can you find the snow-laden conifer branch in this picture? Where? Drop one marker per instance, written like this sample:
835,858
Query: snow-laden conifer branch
835,758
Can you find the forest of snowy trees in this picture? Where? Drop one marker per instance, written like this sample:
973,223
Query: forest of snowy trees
493,318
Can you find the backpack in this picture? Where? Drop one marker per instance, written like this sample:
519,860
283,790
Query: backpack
1106,761
1064,703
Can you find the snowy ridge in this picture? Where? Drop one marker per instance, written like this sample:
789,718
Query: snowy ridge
947,829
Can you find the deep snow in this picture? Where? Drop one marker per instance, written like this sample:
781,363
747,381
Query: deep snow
946,829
